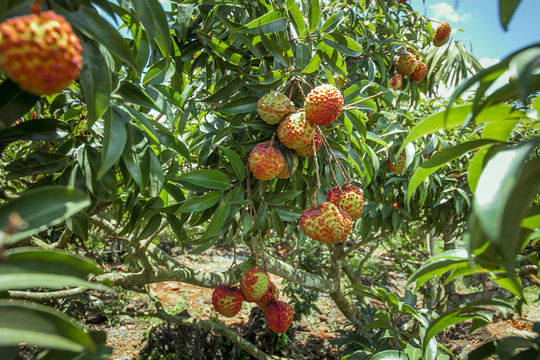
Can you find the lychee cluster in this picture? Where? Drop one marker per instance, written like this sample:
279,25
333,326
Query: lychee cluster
442,34
255,286
40,52
408,65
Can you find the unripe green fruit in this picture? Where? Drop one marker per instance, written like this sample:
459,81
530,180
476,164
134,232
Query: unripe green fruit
273,107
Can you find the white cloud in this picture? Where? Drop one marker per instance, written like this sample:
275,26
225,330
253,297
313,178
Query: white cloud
444,11
487,62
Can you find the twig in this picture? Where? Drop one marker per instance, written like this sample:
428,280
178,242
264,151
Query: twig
351,105
315,159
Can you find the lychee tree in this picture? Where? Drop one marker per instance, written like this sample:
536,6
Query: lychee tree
169,125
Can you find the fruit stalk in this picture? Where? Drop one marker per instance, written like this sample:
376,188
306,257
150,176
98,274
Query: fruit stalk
36,7
333,156
315,158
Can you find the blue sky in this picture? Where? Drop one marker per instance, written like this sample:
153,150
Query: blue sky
482,31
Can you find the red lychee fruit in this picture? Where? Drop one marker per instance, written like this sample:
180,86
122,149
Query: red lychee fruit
279,316
271,295
308,150
273,107
323,104
326,223
397,167
406,64
348,198
266,161
420,72
255,284
285,173
227,300
295,131
442,34
396,82
40,52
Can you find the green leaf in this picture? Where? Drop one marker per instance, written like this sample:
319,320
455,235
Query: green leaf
200,203
271,22
506,11
160,72
284,56
236,162
218,220
114,141
226,51
38,325
157,178
88,21
332,22
14,103
245,104
342,43
135,157
314,15
210,179
439,160
283,196
95,79
26,268
390,355
155,23
512,285
40,208
37,129
36,163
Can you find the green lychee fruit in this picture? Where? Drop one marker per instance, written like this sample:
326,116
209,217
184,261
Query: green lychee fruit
295,131
323,104
266,161
255,284
285,173
273,107
397,167
396,82
348,198
271,295
308,150
40,52
279,316
406,64
420,72
227,300
326,223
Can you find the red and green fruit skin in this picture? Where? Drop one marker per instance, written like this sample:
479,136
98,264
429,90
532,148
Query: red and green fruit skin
227,300
255,284
326,223
397,167
323,105
273,107
442,34
279,316
266,161
270,296
295,131
348,198
308,150
396,82
420,72
40,52
406,64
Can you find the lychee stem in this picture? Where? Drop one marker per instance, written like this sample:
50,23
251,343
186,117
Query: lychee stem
36,7
334,157
314,198
351,105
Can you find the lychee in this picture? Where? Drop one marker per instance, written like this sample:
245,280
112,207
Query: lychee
420,72
323,104
396,82
255,284
40,52
270,296
348,198
266,161
326,223
273,107
399,166
227,300
279,316
308,150
406,64
442,34
284,174
295,131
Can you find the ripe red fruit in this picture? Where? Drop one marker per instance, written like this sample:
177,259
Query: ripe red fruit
308,150
255,284
406,64
348,198
442,34
399,166
279,316
326,223
420,72
396,82
270,296
266,161
273,107
227,300
40,52
295,131
323,104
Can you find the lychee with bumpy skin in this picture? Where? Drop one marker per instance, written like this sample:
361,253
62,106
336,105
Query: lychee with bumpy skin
323,104
406,64
326,223
40,52
348,198
396,82
420,72
285,173
255,284
271,295
442,34
308,150
227,300
397,167
273,107
295,131
279,316
266,161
